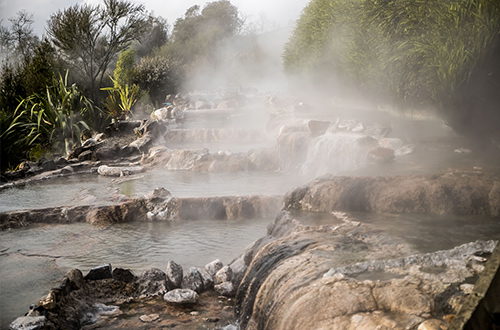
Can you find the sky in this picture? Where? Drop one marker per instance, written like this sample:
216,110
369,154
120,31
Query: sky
280,12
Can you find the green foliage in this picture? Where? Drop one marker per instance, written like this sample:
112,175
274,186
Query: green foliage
418,52
196,36
158,76
125,72
120,100
154,37
89,37
45,121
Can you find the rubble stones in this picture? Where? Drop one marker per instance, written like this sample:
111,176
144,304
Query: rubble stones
152,283
207,279
29,323
99,273
174,275
227,289
181,296
193,280
124,275
225,274
213,267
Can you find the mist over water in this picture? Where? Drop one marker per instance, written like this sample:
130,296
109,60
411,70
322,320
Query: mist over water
42,254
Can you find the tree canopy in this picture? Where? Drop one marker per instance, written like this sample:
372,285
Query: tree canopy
89,37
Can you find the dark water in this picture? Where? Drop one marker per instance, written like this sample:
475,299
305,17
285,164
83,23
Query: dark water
33,260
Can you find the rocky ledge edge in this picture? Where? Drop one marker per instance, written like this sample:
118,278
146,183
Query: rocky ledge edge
106,297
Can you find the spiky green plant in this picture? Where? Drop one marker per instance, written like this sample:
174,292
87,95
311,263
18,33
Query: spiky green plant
120,100
52,118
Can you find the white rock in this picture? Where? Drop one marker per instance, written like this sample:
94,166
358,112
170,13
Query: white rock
181,296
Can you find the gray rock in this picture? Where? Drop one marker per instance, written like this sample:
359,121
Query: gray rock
76,277
239,268
153,283
149,318
177,113
226,289
105,170
143,143
127,151
61,162
86,155
106,153
193,280
73,280
213,267
49,165
99,273
158,194
225,274
174,275
124,275
29,323
207,279
181,296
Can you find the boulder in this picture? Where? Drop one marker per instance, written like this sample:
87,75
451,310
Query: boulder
107,153
99,273
124,275
127,151
381,155
174,275
61,162
239,268
207,279
152,283
49,301
49,165
226,289
225,274
85,155
105,170
144,142
193,280
177,114
67,169
153,127
75,278
29,323
181,296
158,195
213,267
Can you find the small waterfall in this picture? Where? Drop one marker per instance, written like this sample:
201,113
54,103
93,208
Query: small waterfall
334,152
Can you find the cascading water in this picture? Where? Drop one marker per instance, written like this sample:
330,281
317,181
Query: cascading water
335,152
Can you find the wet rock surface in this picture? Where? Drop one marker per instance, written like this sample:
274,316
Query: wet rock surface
300,279
156,207
114,303
450,193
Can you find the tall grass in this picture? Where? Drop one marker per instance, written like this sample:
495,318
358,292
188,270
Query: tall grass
417,52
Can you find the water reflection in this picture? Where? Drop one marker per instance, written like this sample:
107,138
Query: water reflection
42,254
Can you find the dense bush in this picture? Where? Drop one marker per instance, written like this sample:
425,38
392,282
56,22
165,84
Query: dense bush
419,53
